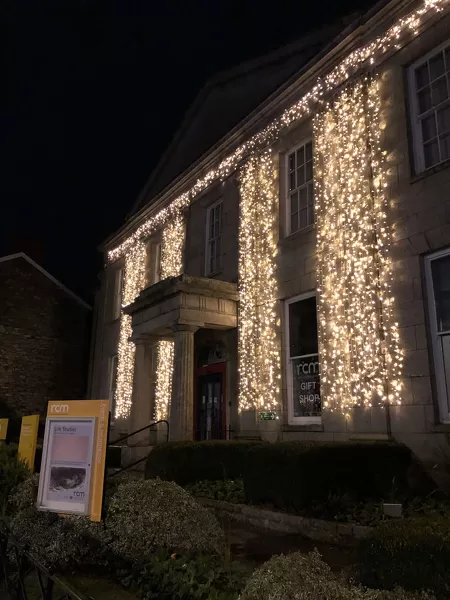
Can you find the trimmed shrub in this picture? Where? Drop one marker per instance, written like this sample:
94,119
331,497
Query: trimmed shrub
300,576
295,476
186,462
12,473
145,515
414,553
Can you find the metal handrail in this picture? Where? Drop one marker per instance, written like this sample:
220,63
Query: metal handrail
125,437
15,583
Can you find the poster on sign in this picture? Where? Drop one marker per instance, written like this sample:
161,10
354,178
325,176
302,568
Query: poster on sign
73,458
67,465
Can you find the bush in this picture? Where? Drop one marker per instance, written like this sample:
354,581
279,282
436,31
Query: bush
186,577
145,515
414,553
296,476
227,490
12,473
306,577
186,462
59,543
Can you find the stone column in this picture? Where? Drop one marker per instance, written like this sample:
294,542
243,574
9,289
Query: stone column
142,408
182,403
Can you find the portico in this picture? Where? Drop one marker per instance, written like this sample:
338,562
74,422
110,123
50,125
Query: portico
175,309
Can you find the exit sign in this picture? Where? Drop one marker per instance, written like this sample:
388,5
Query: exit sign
267,416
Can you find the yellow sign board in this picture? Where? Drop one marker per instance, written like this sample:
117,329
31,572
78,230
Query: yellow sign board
3,428
28,439
74,456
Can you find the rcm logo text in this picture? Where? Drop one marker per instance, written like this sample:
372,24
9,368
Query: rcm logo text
59,408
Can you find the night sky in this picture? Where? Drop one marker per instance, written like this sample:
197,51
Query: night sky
92,93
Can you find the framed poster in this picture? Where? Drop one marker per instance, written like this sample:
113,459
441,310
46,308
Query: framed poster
65,480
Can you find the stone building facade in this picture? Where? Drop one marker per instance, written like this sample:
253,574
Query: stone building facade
291,281
44,339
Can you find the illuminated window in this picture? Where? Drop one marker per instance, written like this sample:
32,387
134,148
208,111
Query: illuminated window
214,238
300,195
112,380
429,82
118,290
303,382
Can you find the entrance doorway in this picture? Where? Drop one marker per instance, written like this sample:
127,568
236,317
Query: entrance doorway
209,416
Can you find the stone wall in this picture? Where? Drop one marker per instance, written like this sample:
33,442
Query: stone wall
44,340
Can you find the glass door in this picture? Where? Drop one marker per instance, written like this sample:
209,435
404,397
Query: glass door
209,425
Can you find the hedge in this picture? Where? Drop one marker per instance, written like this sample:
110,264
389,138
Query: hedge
293,476
414,553
187,462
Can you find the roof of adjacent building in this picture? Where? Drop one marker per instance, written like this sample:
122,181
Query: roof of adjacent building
23,256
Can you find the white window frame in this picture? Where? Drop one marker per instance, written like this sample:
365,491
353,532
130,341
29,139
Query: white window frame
208,272
155,262
292,420
418,152
438,358
287,201
118,292
112,373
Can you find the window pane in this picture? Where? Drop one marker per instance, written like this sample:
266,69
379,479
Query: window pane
309,151
422,77
440,271
424,98
304,218
300,176
437,66
439,90
444,143
294,223
303,197
428,128
291,162
292,181
443,116
300,156
309,170
447,59
294,203
431,153
310,194
306,387
303,327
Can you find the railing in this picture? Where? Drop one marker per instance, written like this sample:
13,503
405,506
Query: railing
18,566
129,435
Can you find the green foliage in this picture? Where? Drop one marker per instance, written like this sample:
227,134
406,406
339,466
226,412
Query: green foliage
296,476
145,515
186,462
414,553
227,490
300,576
12,473
183,577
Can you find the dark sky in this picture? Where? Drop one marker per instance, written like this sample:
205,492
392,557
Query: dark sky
92,92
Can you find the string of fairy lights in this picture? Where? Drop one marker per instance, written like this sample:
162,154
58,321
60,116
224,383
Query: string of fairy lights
258,351
253,149
360,355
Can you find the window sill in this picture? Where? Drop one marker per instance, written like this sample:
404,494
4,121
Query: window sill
294,236
214,274
431,171
304,424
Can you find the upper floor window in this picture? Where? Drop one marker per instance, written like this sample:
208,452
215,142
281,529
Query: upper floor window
117,298
153,268
300,200
429,82
214,238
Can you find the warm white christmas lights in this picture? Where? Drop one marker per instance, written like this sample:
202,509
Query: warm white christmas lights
359,349
164,375
258,352
358,60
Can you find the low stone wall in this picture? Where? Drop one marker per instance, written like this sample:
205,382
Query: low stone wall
345,534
